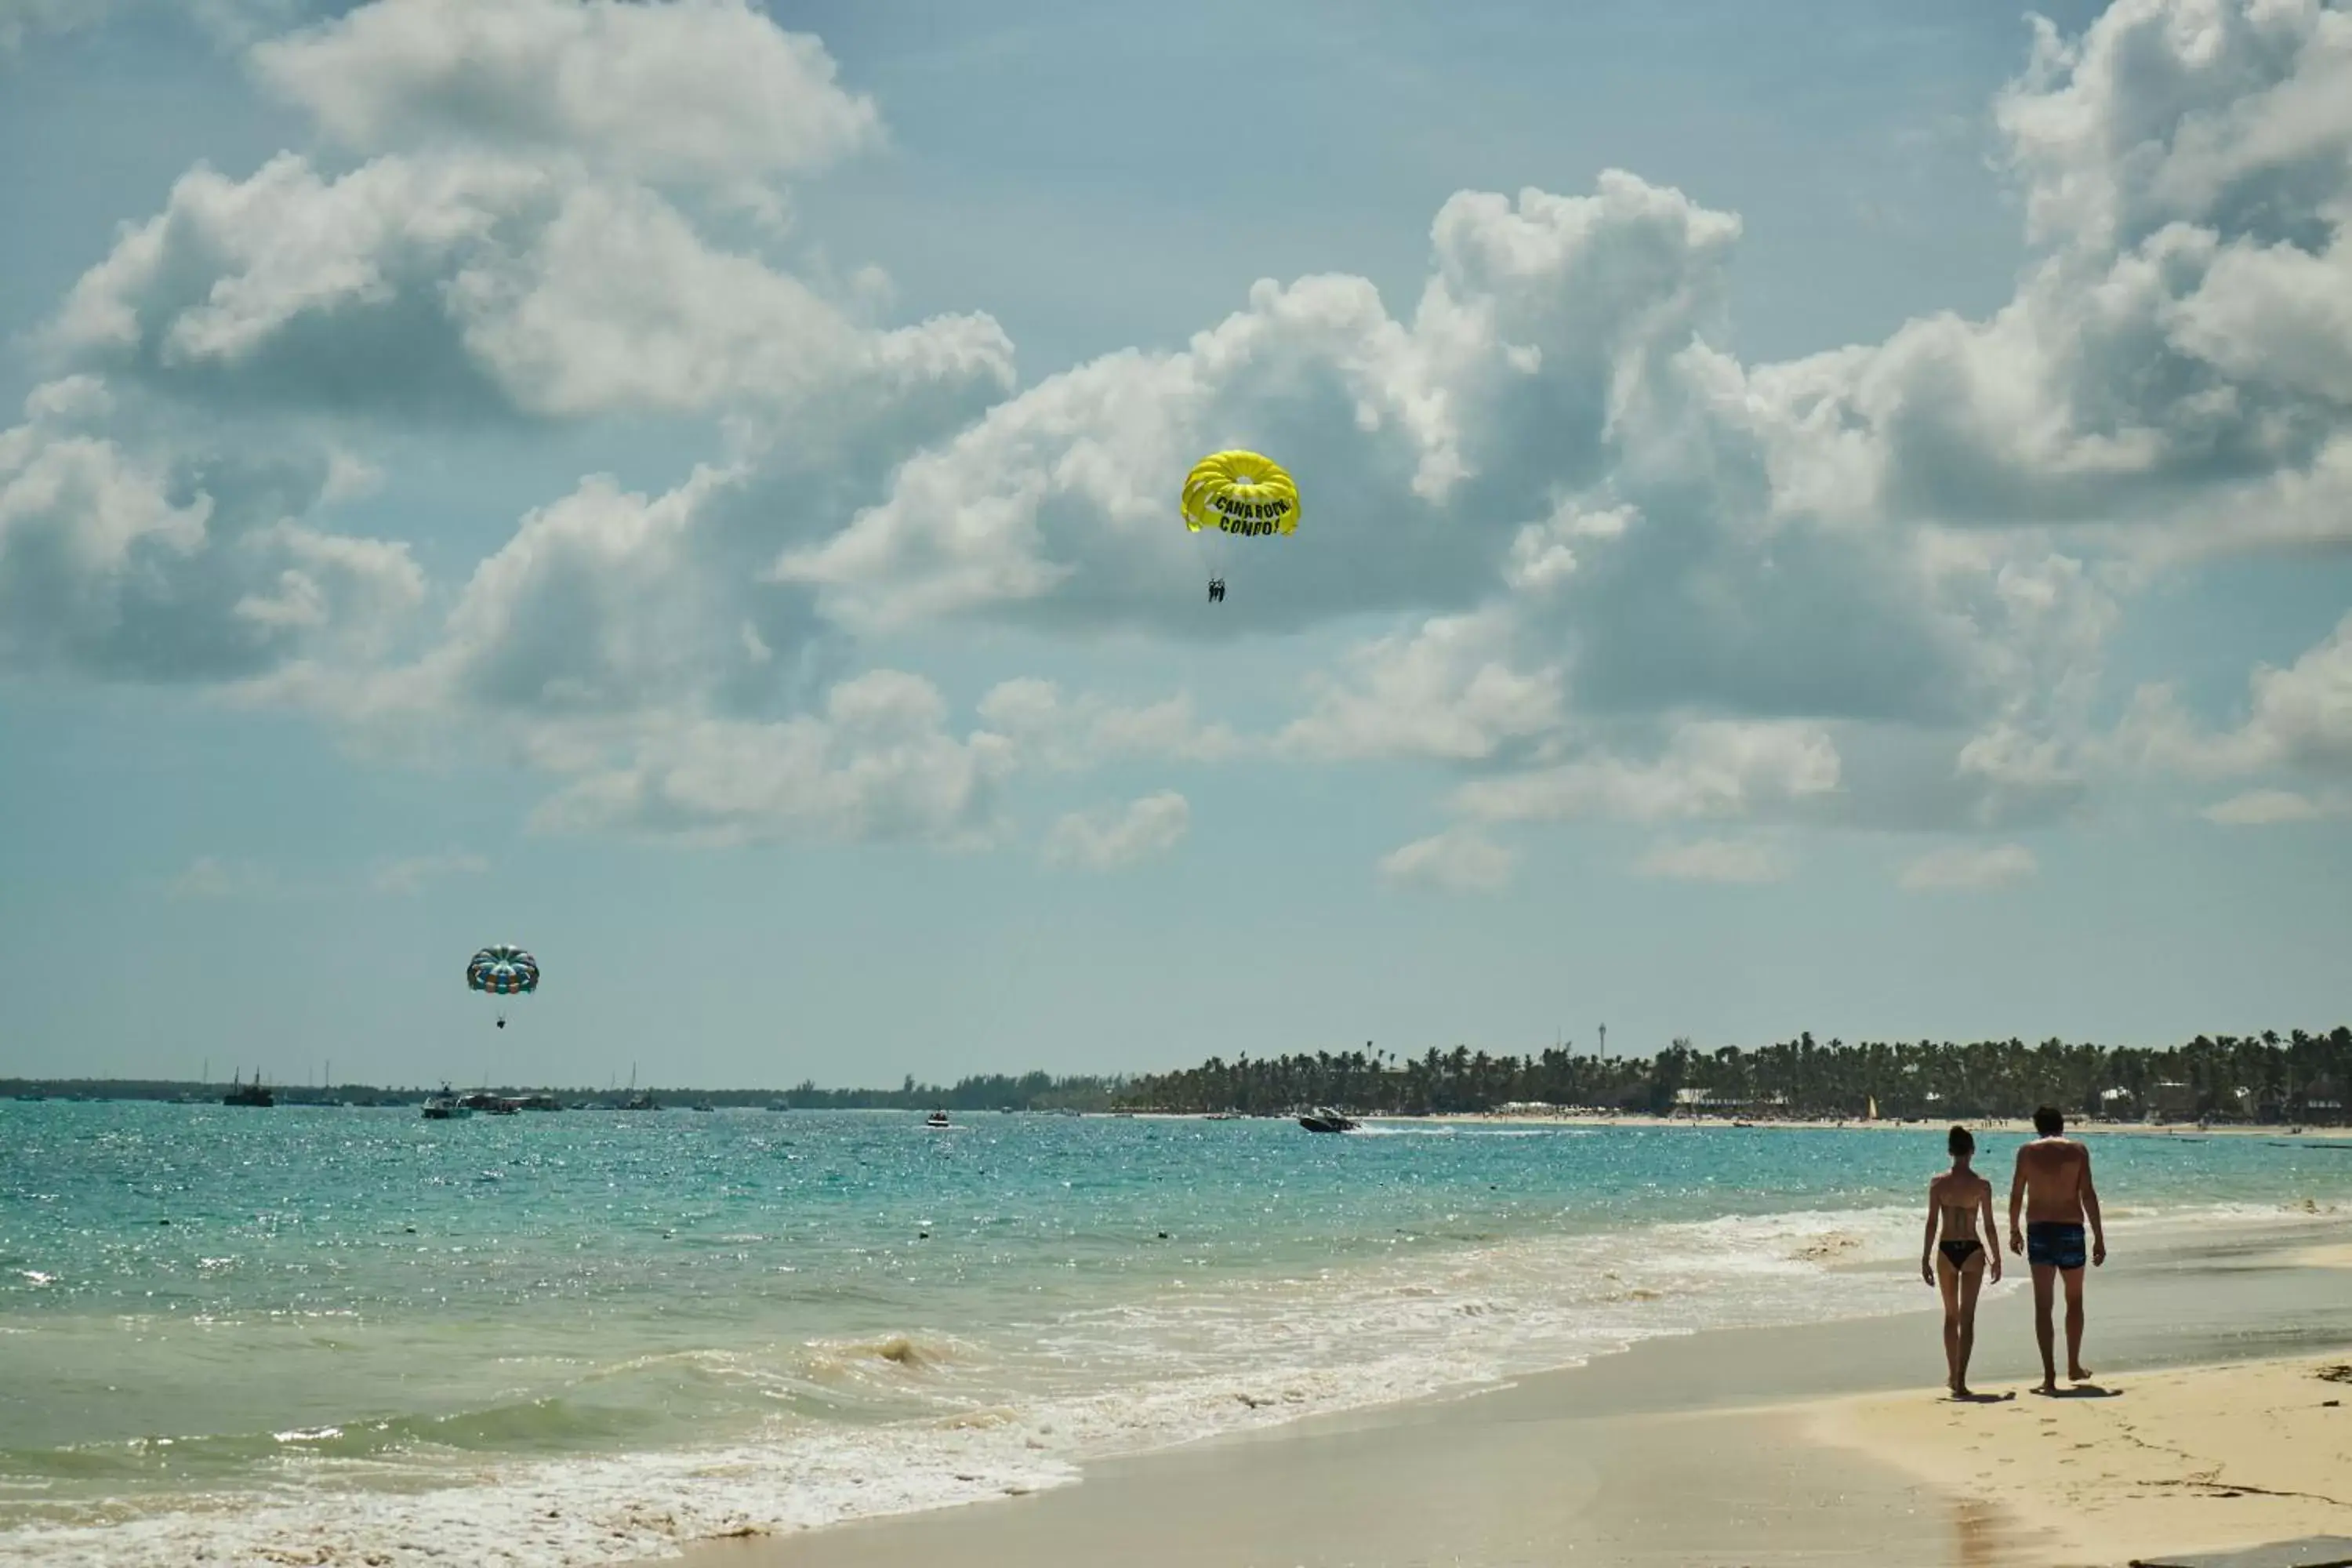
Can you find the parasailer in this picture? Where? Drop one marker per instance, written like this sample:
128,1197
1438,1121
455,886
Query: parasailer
502,969
1238,492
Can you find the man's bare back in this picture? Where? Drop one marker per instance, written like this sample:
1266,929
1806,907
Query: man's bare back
2055,1172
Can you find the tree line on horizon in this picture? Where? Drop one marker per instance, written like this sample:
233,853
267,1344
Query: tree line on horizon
981,1091
2298,1076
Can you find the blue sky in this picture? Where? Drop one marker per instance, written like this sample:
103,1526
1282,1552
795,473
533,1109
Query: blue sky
1836,526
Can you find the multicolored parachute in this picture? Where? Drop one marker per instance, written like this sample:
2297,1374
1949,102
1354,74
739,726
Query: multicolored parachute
502,970
1240,493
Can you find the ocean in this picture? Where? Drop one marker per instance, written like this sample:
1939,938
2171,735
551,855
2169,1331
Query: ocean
342,1335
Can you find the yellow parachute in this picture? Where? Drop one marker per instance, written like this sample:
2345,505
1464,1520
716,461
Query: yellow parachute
1240,493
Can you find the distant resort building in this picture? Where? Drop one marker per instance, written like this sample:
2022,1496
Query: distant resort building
1700,1102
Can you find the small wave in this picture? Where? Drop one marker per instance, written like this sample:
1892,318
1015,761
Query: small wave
852,1357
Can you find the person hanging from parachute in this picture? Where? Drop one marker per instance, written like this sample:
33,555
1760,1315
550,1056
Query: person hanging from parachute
1237,492
502,969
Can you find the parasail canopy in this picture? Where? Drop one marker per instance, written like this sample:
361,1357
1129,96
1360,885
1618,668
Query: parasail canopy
1240,493
502,970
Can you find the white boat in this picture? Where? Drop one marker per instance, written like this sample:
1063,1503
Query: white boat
936,1119
447,1106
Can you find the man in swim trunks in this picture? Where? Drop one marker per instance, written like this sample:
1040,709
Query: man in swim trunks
2054,1189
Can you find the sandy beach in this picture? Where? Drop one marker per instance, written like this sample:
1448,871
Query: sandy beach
2190,1459
1828,1443
2018,1126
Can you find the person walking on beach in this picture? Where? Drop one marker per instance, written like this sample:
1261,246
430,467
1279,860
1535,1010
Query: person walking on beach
2054,1189
1956,1262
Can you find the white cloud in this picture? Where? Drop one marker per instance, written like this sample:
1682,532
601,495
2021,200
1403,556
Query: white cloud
1588,559
1448,690
147,563
2179,338
2299,718
214,876
876,763
1967,868
1065,734
709,91
1102,840
611,602
1425,445
2270,807
1707,769
466,287
1458,860
1716,860
411,876
1543,554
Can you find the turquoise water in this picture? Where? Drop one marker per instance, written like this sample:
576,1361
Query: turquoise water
577,1338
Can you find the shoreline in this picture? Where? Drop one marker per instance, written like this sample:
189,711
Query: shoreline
1603,1458
2018,1125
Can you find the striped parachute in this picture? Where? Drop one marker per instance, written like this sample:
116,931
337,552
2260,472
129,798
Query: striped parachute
502,970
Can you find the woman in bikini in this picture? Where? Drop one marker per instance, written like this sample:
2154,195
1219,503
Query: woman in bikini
1956,1262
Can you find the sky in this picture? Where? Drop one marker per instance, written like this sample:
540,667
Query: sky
1842,526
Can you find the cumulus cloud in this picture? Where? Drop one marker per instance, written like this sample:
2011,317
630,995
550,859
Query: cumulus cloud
1968,867
1446,691
704,91
1067,734
1435,439
2299,718
1587,561
470,288
876,763
410,876
144,563
1458,860
1716,860
1101,840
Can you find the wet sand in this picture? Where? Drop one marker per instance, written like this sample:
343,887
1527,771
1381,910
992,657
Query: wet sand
1734,1447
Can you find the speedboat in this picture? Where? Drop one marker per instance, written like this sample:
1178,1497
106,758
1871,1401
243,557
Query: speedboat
446,1108
936,1119
1323,1119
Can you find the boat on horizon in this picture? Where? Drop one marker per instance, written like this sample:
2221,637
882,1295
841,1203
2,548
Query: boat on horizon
242,1093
